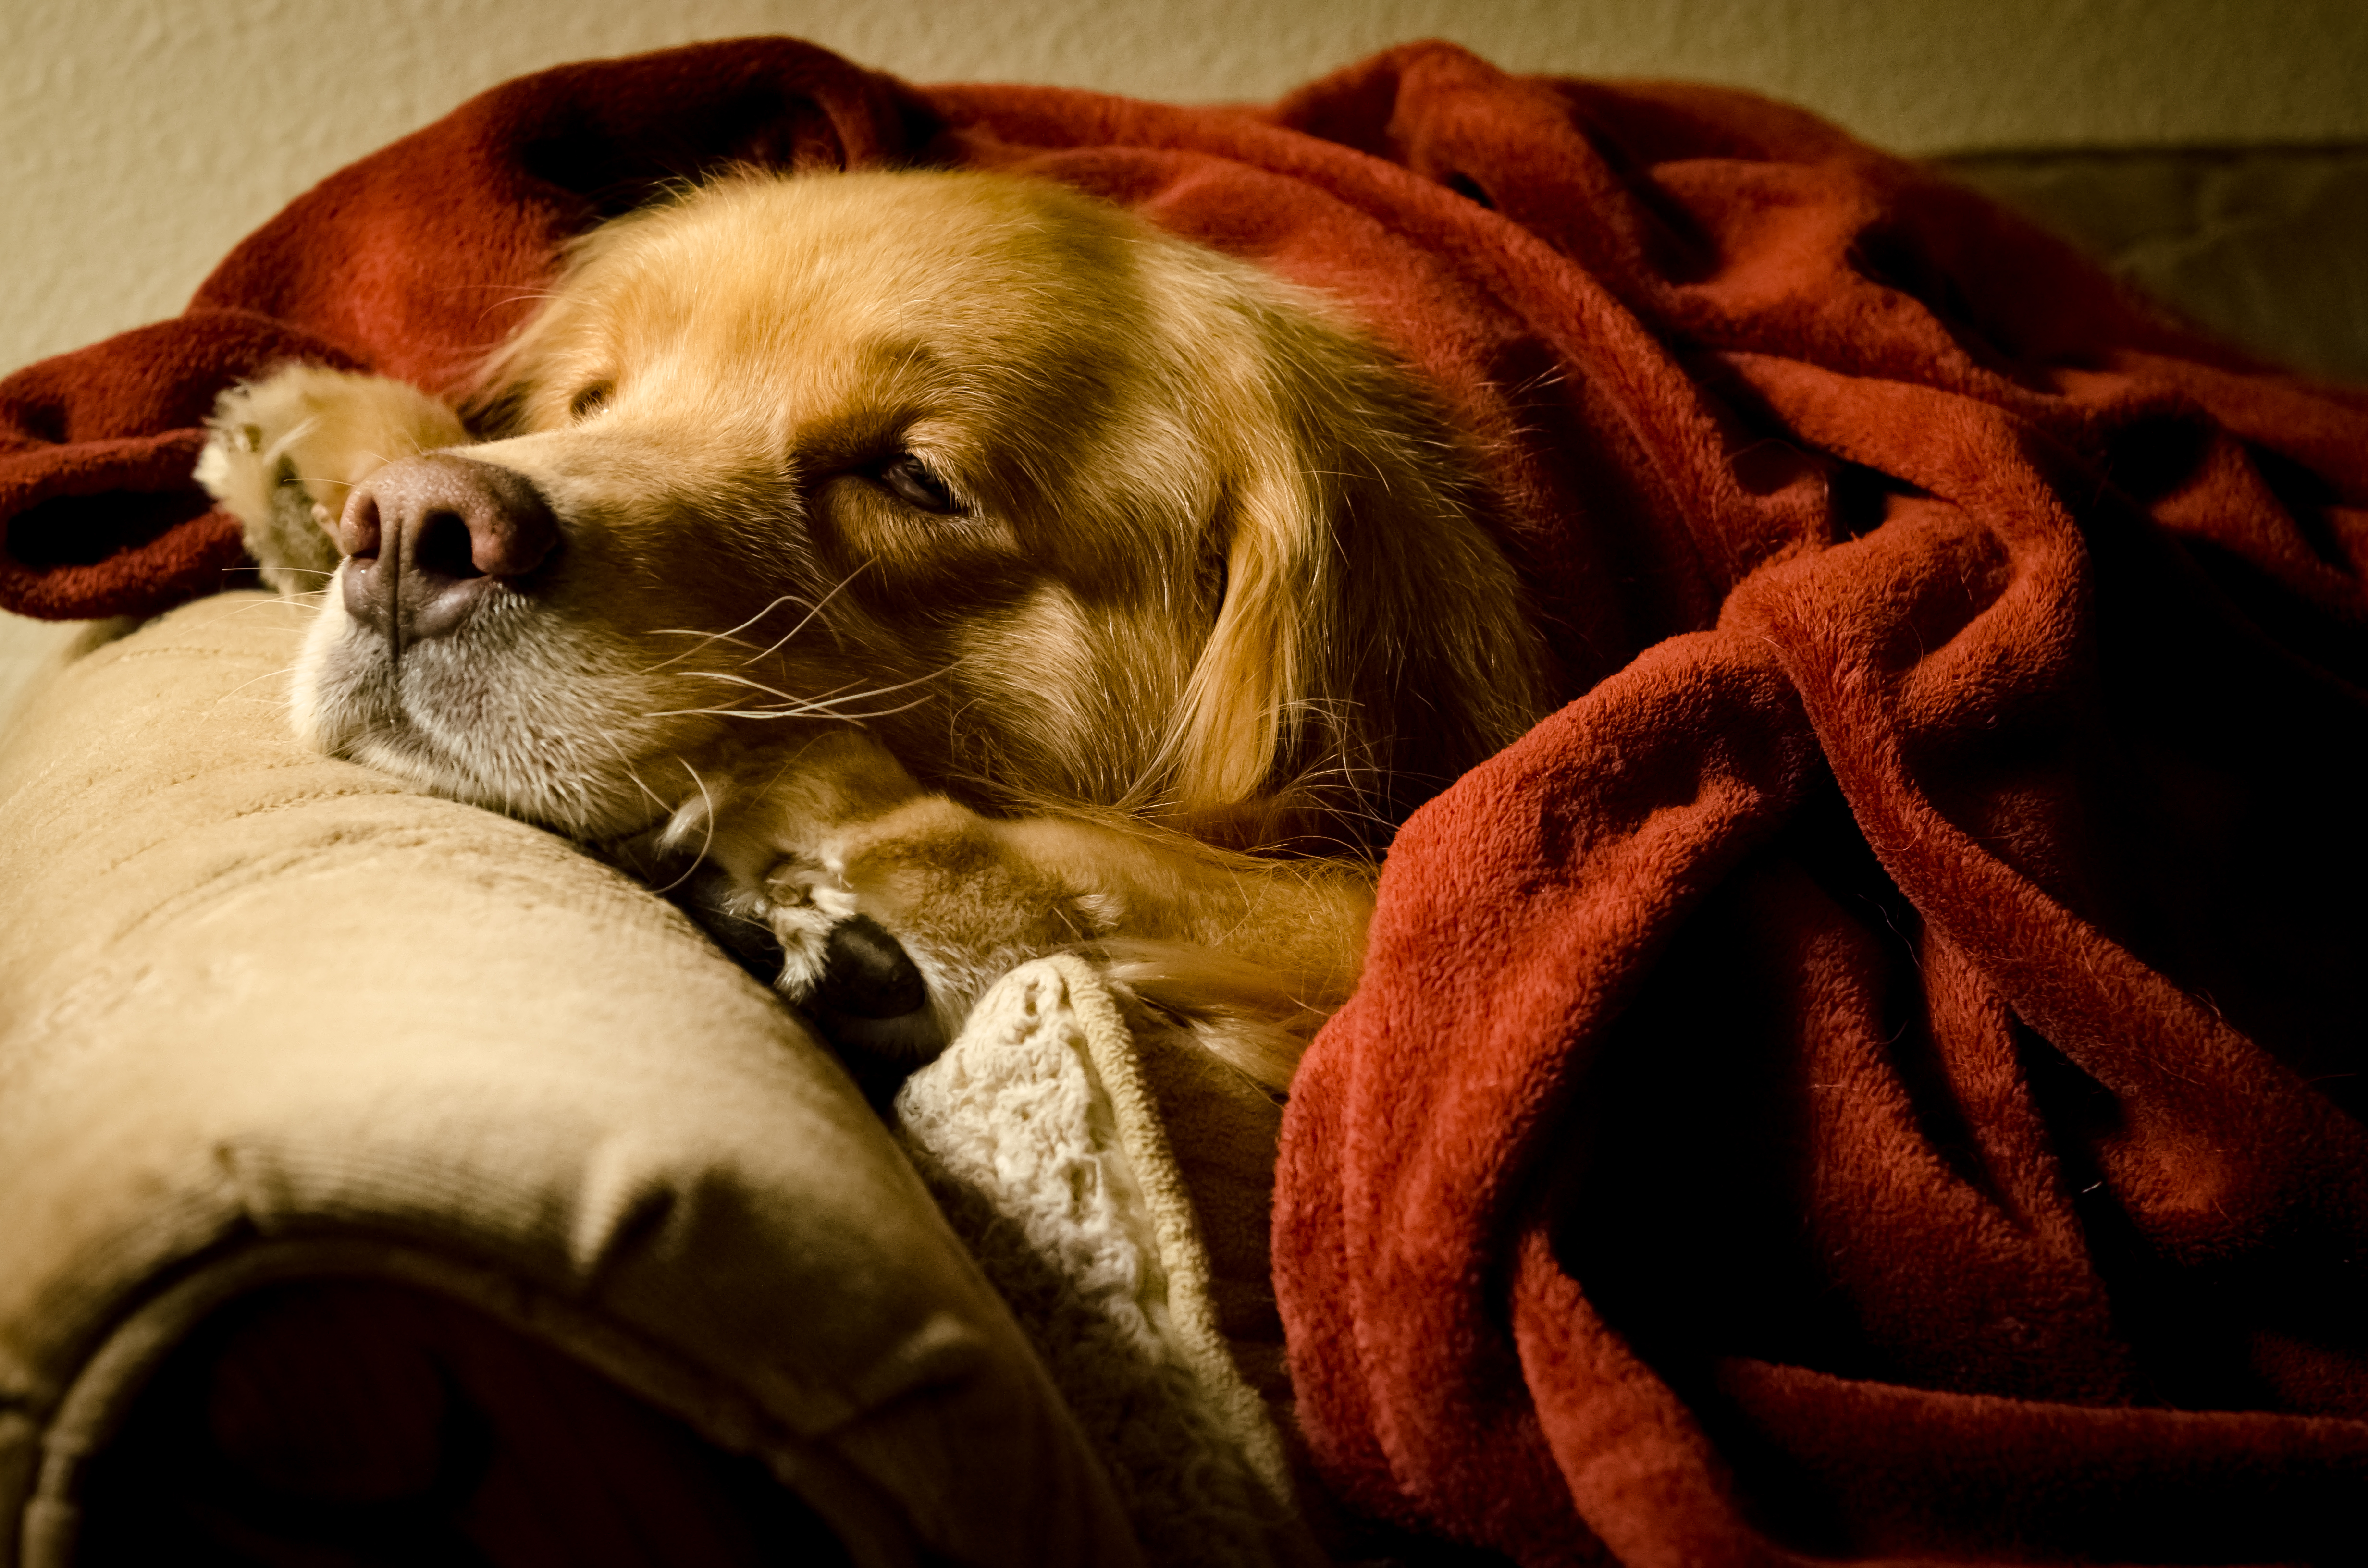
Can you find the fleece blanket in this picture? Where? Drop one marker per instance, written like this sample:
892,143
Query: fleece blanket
1877,1075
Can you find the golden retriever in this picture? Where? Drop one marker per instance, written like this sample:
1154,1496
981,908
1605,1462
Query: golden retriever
955,565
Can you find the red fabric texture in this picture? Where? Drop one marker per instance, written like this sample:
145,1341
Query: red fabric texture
1878,1076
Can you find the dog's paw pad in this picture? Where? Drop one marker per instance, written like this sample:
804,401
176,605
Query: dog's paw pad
866,973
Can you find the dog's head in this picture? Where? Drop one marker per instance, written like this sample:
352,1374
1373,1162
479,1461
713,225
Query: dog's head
1064,510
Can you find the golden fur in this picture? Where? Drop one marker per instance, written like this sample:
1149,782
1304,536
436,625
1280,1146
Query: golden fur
949,549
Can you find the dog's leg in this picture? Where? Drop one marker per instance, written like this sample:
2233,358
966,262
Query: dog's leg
282,452
896,908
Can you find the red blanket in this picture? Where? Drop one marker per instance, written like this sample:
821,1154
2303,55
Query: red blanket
1878,1074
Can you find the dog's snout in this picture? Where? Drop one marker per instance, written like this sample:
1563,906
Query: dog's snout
429,538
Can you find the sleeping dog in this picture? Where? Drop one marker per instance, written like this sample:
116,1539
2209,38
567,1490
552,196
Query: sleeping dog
952,567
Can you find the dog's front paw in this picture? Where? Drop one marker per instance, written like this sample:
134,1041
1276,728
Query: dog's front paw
282,452
844,968
801,903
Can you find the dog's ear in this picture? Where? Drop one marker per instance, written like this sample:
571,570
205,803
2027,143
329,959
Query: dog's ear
1371,642
1247,689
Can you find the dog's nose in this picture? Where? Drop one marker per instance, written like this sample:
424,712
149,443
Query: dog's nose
429,538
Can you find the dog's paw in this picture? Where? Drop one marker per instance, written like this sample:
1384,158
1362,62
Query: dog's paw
801,903
282,452
843,970
846,973
867,975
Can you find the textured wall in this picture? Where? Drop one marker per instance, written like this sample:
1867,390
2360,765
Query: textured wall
139,139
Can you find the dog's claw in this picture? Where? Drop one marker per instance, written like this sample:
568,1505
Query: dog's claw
867,974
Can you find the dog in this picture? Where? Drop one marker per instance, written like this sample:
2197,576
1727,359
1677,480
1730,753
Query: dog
952,567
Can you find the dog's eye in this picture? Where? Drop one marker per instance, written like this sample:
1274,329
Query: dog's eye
916,484
588,401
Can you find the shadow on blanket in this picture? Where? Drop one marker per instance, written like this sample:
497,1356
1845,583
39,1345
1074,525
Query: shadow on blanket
1877,1075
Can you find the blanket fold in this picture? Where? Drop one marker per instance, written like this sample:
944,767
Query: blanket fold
1878,1076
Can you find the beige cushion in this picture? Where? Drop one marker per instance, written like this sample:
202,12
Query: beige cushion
267,1015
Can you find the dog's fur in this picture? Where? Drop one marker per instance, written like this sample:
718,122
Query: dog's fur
949,549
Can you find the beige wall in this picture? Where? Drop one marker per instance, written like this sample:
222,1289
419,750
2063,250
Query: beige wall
139,139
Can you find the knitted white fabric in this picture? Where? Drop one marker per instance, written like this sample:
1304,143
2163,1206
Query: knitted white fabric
1037,1136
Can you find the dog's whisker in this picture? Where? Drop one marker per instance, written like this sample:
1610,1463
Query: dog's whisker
705,638
807,620
264,607
639,783
729,679
827,705
730,634
813,609
297,571
284,672
803,711
378,459
707,817
269,457
828,699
